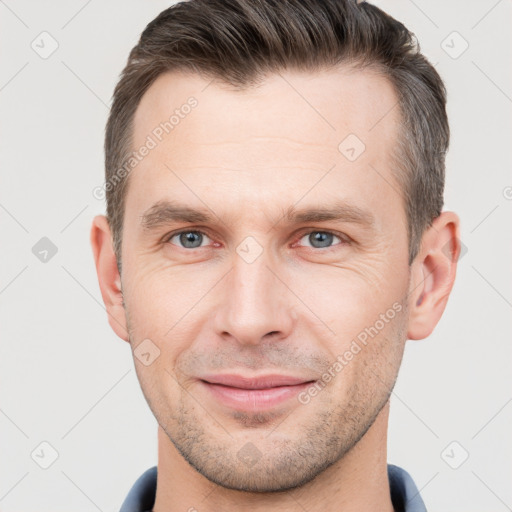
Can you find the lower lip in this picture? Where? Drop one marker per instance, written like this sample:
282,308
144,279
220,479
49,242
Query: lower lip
254,399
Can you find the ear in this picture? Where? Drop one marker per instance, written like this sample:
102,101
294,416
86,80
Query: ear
108,275
433,274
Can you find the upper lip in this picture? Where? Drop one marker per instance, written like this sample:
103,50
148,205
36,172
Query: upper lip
259,382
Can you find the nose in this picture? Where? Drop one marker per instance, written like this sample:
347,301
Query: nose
256,305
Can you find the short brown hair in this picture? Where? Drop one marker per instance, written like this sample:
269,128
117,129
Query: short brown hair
240,41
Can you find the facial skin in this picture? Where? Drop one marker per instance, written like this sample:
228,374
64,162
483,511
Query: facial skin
245,158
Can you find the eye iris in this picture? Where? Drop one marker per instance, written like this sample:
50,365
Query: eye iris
325,239
191,237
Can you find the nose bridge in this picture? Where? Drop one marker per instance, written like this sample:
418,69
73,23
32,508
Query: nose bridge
254,300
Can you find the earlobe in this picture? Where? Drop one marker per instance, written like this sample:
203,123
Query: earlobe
108,275
433,275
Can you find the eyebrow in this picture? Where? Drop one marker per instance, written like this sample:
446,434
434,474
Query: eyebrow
166,212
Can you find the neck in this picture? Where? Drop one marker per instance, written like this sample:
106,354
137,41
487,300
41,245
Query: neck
357,482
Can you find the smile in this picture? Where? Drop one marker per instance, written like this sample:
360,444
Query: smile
254,394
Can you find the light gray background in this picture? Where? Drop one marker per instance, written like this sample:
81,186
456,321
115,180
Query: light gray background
67,380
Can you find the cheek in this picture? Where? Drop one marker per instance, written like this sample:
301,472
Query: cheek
159,299
347,300
155,329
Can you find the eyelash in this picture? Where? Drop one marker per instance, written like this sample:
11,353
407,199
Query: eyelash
344,238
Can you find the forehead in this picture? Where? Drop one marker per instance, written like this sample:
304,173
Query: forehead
283,134
330,102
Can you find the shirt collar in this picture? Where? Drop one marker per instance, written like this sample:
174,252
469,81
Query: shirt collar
404,493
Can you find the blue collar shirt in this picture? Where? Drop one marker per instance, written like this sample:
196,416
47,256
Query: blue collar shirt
404,493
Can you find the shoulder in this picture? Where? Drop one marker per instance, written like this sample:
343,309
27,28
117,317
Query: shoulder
141,496
404,493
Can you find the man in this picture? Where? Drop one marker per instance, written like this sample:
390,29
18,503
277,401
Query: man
274,235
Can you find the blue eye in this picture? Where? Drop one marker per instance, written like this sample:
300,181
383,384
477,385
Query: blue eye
193,239
320,239
189,239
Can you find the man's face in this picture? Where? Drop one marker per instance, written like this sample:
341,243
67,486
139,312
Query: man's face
258,292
